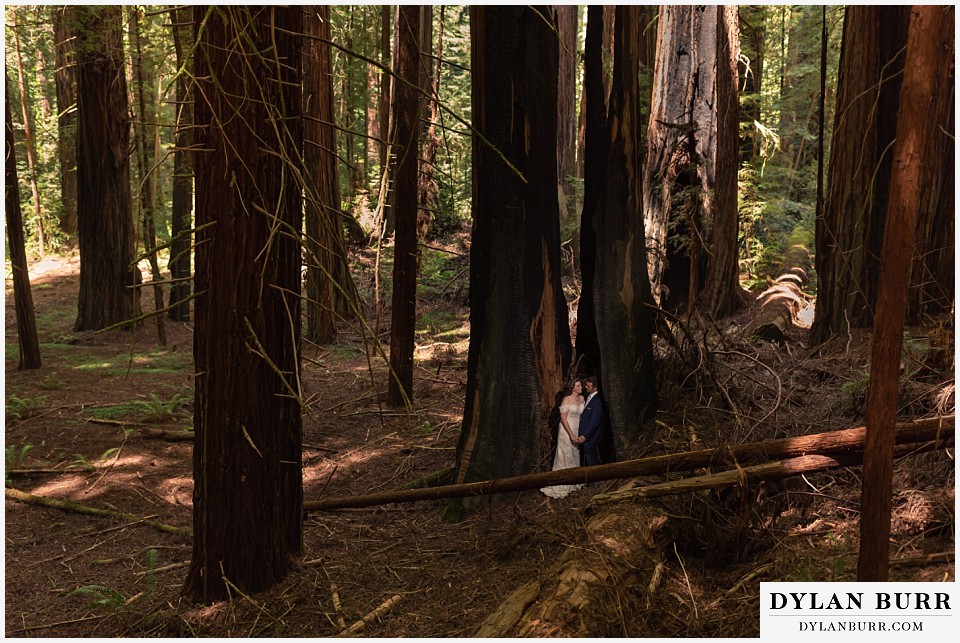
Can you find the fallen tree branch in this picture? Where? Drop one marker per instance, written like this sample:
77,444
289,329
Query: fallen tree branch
746,475
384,607
169,436
74,507
936,429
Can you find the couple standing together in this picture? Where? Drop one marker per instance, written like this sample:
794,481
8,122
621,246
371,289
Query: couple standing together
582,426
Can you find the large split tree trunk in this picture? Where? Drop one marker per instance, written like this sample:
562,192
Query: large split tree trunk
519,339
690,176
105,233
621,300
247,454
331,293
23,299
405,137
65,77
850,231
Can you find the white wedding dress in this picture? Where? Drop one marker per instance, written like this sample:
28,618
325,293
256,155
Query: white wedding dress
568,454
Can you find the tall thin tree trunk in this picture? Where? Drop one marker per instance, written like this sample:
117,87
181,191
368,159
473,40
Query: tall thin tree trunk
147,180
429,192
29,138
182,200
915,129
384,101
567,106
23,299
594,156
247,463
66,81
405,137
331,292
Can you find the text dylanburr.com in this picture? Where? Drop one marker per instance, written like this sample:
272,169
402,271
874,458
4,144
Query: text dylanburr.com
841,611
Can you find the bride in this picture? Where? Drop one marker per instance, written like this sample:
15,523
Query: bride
568,439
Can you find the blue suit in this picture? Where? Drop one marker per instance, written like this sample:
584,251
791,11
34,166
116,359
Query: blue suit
592,421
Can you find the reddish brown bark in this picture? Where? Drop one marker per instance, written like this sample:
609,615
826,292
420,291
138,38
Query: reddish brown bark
105,232
23,299
247,453
405,137
915,128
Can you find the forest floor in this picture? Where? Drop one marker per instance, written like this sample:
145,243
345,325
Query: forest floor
76,430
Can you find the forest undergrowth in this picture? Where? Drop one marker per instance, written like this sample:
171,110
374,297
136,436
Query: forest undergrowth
104,424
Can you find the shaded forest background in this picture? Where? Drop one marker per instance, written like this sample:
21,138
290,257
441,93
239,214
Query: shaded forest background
464,207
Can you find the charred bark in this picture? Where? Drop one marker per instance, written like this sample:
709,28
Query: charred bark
519,340
621,296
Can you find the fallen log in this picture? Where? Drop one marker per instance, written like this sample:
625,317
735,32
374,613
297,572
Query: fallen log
384,607
933,429
75,507
757,473
781,302
623,550
169,436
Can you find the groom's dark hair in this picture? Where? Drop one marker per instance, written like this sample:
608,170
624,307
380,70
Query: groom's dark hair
593,380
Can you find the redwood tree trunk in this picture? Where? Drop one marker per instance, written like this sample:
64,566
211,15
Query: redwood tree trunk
247,454
849,232
148,179
65,77
330,290
690,177
182,200
405,138
921,82
428,192
567,105
105,230
23,299
593,149
28,137
931,292
622,299
519,339
721,282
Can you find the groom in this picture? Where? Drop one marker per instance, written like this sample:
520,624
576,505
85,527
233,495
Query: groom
592,423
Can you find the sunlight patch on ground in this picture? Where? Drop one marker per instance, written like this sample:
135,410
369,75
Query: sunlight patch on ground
62,487
177,491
